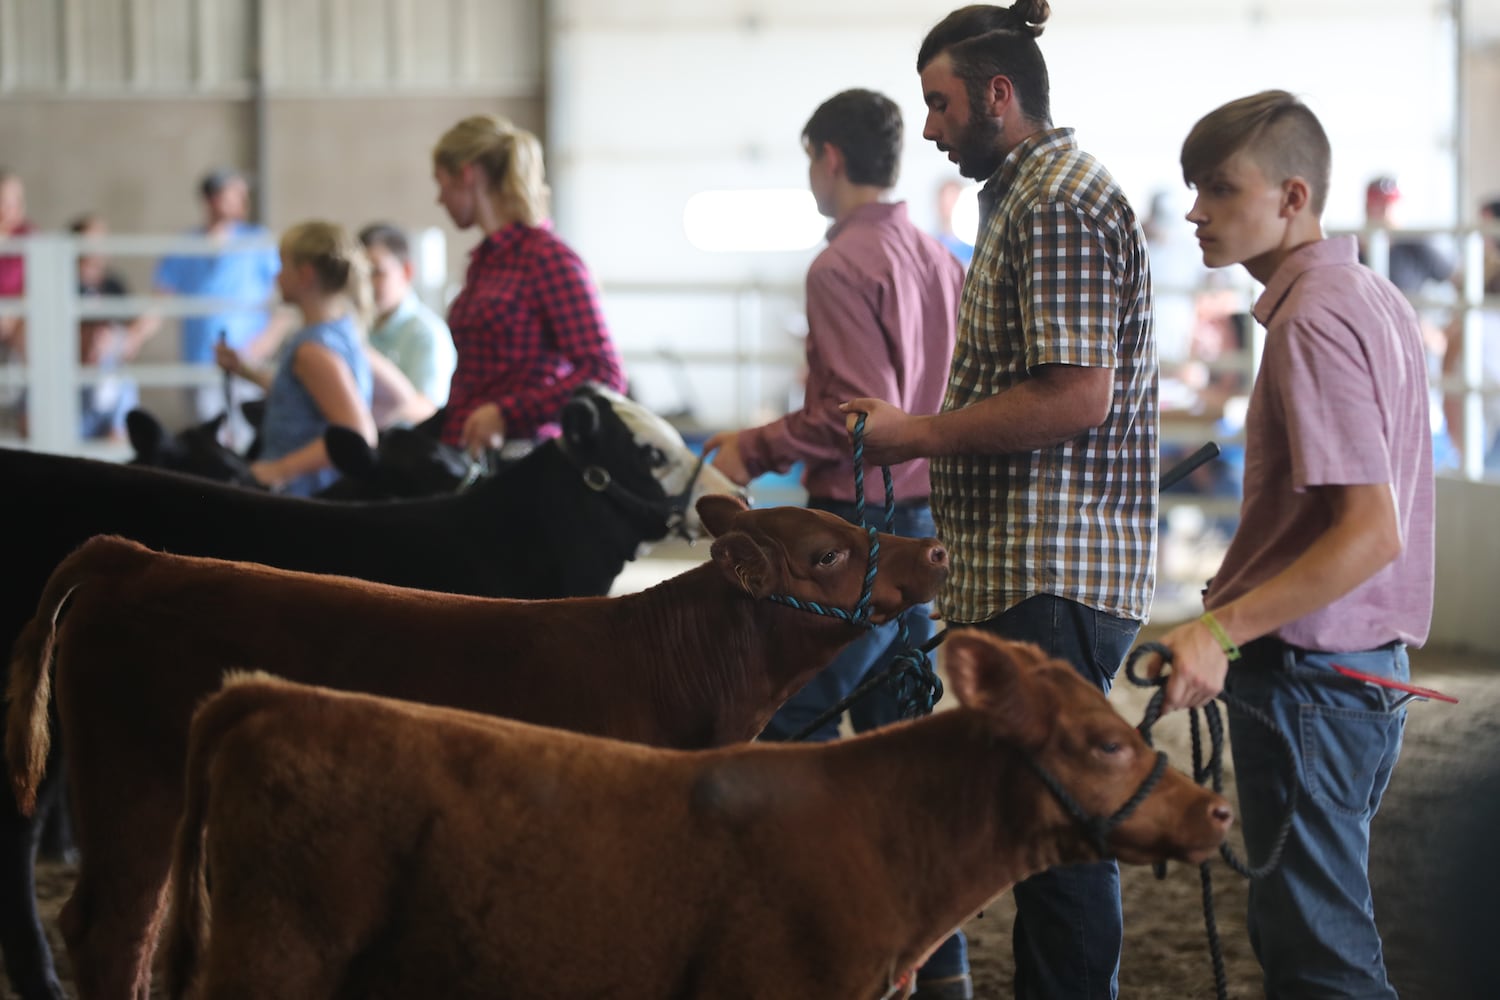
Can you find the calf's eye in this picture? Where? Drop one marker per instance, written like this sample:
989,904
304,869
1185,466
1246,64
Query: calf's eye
829,558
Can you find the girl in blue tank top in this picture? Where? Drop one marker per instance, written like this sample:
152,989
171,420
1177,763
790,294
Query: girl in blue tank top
322,376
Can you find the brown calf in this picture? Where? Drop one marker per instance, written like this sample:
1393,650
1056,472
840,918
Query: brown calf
358,846
139,638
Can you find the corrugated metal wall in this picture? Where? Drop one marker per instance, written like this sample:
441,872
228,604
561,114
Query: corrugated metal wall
181,47
120,105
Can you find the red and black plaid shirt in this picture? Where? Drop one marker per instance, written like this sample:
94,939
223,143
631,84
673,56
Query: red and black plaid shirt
529,330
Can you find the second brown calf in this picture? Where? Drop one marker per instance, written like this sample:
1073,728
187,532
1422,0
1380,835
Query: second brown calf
364,847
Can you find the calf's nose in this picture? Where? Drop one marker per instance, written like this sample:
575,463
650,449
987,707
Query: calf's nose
936,554
1221,815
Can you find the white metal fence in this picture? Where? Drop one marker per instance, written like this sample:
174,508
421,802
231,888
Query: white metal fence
734,361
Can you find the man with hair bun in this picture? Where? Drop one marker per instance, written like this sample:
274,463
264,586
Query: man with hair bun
1331,568
1044,456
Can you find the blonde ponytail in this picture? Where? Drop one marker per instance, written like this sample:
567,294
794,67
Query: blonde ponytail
509,156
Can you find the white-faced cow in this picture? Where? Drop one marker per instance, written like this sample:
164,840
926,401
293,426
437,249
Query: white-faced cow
561,522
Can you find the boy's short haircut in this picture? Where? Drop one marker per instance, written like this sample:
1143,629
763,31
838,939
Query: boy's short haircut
866,127
384,234
1276,129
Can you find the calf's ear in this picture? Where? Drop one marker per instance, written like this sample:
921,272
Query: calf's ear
580,420
349,452
718,510
993,676
743,563
254,412
145,434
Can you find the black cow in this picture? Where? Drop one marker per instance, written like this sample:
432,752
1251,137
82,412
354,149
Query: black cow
406,462
195,451
560,522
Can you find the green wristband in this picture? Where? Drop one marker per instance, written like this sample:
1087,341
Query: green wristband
1231,651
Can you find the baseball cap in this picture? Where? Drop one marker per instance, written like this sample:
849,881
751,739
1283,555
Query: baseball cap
1383,188
216,180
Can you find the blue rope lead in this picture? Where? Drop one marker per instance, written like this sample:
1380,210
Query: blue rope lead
917,686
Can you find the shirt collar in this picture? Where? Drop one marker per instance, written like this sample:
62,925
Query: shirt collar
1044,142
405,307
1334,252
501,240
872,212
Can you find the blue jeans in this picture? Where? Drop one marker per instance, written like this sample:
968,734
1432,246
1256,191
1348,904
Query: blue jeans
1312,921
1069,928
870,654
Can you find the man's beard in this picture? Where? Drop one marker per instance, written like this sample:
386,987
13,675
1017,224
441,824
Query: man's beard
978,148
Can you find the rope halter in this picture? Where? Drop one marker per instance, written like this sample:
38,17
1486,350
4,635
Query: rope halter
918,686
1099,827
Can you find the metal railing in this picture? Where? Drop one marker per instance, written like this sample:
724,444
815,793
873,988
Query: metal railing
53,308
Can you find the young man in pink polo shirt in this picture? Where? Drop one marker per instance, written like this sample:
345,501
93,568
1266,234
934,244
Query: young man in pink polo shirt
882,305
1332,564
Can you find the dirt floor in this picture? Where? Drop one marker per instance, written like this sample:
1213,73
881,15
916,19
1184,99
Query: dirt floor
1166,957
1415,880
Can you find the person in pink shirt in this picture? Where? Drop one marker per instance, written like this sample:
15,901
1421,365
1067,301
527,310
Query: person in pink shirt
882,310
13,223
1332,563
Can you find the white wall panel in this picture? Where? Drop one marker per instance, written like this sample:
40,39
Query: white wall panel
652,102
631,214
675,99
1134,113
843,19
694,111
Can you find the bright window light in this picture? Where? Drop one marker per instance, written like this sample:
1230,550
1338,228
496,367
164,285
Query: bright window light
761,220
966,215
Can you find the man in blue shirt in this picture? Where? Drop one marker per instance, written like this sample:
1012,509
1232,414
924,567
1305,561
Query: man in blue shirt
247,276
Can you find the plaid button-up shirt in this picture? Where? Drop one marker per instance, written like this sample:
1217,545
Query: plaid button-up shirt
1059,276
529,330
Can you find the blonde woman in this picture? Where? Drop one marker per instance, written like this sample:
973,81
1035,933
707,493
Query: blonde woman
528,325
323,375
